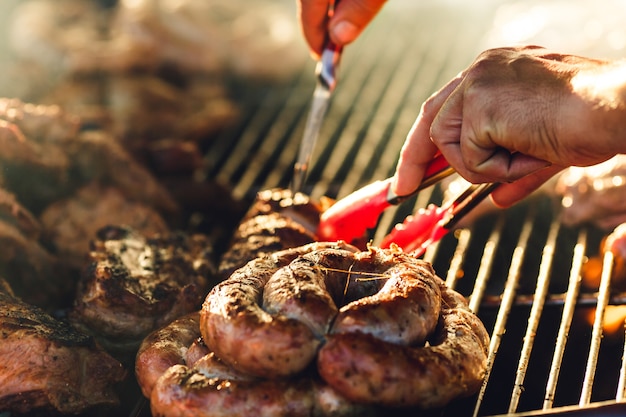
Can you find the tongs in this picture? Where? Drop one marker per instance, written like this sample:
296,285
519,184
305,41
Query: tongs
350,218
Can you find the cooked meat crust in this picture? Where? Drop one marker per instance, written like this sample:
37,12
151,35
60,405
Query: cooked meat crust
276,221
180,381
49,366
135,284
236,327
368,370
163,348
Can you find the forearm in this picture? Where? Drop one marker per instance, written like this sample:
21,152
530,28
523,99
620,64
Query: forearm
602,91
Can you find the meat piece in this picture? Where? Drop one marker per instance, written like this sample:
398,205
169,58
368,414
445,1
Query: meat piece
179,383
71,224
35,274
262,235
49,366
164,348
26,262
11,211
594,195
616,243
385,293
184,391
236,327
592,269
453,364
45,157
404,305
276,220
135,284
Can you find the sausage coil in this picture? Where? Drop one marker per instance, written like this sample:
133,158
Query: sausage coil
368,370
316,330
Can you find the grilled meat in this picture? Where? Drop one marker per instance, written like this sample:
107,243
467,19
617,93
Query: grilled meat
135,284
25,262
277,220
45,157
594,195
71,224
48,366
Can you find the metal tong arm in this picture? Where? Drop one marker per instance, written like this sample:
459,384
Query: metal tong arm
466,201
437,170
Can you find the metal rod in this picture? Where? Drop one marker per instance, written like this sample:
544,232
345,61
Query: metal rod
484,271
553,300
456,263
596,336
621,386
508,297
543,281
573,289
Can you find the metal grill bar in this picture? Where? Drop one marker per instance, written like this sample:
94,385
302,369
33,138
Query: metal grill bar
621,385
603,301
507,302
535,314
566,320
486,262
456,263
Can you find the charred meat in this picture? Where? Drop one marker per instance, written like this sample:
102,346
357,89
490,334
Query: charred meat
49,366
135,284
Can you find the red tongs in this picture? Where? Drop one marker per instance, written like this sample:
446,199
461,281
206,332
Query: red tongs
350,218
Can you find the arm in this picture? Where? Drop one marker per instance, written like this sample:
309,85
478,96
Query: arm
518,116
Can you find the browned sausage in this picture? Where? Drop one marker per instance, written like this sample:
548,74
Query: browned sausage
164,348
405,303
366,369
197,392
240,332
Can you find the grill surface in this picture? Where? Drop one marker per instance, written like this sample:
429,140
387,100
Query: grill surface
521,277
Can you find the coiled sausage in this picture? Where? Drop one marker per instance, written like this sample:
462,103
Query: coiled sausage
368,370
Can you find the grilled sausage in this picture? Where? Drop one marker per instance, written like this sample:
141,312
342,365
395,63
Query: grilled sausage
402,303
199,392
368,370
164,348
386,293
235,326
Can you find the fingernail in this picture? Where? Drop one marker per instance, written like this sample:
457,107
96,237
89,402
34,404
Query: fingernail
345,32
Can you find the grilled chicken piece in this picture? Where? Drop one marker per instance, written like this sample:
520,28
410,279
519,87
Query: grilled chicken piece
135,284
47,366
277,220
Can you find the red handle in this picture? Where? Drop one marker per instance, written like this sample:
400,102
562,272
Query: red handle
349,218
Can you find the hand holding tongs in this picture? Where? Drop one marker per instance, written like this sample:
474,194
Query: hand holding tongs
349,218
326,74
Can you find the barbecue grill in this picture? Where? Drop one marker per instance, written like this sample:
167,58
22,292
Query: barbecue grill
550,353
520,268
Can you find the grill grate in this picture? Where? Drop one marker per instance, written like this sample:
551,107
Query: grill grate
521,277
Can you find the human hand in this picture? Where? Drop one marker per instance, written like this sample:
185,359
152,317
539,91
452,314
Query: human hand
348,21
518,116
